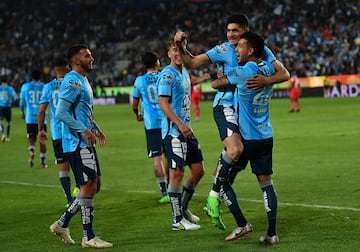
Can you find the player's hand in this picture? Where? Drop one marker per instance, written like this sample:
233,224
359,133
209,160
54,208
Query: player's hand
101,137
186,131
140,117
258,81
90,137
219,74
23,116
42,136
206,76
180,38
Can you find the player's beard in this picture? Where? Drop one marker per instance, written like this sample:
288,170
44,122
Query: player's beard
88,67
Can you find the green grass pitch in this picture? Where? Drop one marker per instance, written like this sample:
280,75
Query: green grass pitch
316,162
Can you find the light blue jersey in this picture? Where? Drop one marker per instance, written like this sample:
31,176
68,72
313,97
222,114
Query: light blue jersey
253,105
224,56
7,95
145,88
50,95
177,86
30,94
75,110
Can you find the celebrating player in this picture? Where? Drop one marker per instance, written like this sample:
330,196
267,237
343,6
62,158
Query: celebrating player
256,132
75,110
181,146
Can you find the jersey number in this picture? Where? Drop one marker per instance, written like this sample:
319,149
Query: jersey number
55,97
152,94
34,96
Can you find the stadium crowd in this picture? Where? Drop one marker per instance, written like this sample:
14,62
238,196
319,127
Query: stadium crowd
310,37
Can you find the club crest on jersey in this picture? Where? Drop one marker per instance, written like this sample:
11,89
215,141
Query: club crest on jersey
220,49
77,83
223,48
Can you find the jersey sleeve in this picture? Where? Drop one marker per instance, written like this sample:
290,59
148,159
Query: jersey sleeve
137,88
44,94
164,83
22,99
62,113
268,55
70,89
13,94
218,54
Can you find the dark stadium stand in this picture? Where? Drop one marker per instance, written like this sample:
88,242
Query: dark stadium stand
310,37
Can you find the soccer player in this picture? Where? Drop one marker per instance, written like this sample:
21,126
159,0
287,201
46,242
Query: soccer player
196,93
7,97
50,98
146,91
295,91
180,144
75,110
30,94
224,55
256,133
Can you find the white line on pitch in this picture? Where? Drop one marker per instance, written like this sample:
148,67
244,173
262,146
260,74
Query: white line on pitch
151,192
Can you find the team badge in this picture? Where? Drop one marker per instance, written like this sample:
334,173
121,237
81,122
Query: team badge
223,48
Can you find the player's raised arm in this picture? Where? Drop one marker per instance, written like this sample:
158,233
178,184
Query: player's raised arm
190,61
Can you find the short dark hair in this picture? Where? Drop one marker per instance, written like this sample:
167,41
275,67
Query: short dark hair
241,19
60,61
35,74
3,78
255,41
149,59
75,49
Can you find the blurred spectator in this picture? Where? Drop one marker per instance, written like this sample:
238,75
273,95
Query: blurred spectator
319,38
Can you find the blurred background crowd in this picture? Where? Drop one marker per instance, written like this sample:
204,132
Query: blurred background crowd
311,37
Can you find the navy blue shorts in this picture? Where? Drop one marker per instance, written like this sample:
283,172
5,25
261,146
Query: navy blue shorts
226,120
259,154
181,151
154,142
32,129
84,164
58,151
5,112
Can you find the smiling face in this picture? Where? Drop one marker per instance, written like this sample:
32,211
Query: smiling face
173,54
87,60
233,33
243,51
84,60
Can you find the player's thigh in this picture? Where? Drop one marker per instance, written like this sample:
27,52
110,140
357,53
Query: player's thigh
153,142
84,163
193,153
261,157
176,149
58,151
226,121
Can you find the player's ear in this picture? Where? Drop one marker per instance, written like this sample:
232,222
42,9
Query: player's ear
250,51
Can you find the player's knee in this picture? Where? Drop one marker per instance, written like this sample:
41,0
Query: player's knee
235,151
201,172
